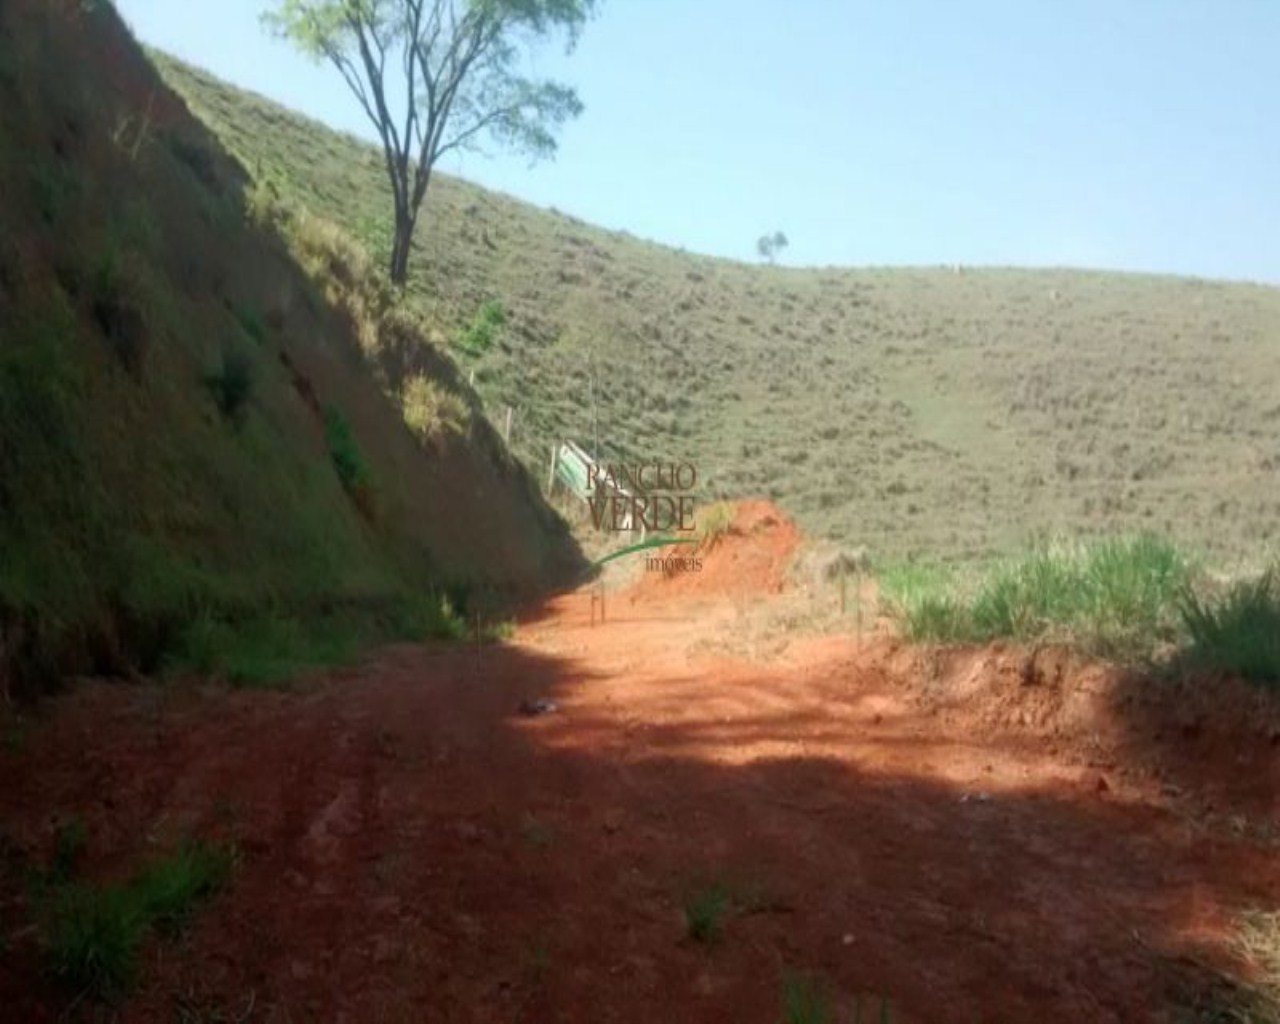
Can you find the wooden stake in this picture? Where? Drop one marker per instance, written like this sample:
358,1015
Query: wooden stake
595,411
506,433
858,599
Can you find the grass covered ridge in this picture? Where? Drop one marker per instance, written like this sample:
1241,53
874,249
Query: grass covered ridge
202,450
904,410
1126,598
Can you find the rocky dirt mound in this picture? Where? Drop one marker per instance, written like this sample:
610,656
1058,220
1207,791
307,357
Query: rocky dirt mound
752,556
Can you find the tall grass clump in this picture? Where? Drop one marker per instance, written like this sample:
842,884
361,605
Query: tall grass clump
927,601
1238,633
93,934
478,337
93,938
431,617
704,913
1115,597
349,461
431,410
806,1000
170,889
264,651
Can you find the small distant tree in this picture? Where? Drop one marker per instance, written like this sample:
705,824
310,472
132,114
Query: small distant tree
457,70
769,246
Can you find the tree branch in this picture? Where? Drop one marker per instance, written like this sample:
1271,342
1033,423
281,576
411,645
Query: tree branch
489,119
480,37
411,69
352,78
374,72
459,60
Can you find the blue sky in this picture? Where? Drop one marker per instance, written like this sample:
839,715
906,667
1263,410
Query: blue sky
1125,134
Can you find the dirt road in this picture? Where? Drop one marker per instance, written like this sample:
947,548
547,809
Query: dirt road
414,848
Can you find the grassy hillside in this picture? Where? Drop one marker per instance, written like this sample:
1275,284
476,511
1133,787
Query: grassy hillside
908,410
191,440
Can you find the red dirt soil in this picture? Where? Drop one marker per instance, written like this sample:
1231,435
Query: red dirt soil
752,557
996,835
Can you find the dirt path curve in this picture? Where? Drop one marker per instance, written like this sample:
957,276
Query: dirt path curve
415,849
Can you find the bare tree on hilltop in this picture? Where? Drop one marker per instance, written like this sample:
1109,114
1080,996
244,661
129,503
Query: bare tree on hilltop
456,65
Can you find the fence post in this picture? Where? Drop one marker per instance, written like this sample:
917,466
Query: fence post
858,601
506,433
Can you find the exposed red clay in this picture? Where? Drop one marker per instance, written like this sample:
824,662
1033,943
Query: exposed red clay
752,557
975,836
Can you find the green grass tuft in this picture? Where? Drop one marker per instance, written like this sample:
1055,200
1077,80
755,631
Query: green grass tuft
264,651
433,617
704,913
497,632
806,1000
232,384
93,934
171,888
68,847
1239,633
94,937
250,321
1116,597
348,459
267,650
926,601
478,337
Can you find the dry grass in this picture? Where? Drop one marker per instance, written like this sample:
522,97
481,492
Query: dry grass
432,410
1259,941
908,410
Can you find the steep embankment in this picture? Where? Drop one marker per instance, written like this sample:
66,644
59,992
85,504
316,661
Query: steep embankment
189,432
902,409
